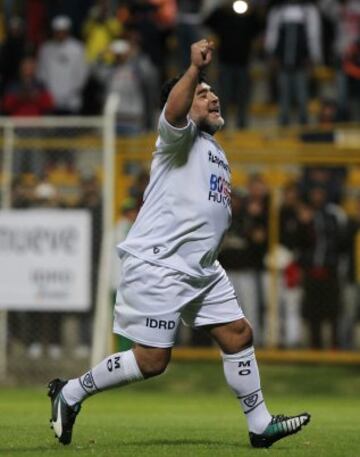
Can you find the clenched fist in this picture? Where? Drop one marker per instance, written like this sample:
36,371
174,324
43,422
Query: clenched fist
201,53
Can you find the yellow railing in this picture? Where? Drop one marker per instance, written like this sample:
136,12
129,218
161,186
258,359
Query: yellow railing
274,356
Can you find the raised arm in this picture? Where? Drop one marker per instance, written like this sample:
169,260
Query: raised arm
181,96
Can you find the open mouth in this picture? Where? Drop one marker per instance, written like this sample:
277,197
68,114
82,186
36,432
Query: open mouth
215,110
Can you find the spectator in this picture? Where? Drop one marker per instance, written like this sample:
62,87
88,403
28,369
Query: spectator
290,291
244,250
233,254
27,96
321,247
351,295
236,33
345,15
188,28
333,178
328,36
75,10
288,216
154,21
62,67
324,131
99,30
22,194
12,51
165,12
255,229
351,75
35,16
293,41
46,195
346,19
134,79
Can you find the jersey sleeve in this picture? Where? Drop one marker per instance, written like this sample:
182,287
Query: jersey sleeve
172,138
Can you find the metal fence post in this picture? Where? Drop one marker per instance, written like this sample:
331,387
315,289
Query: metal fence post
8,153
102,331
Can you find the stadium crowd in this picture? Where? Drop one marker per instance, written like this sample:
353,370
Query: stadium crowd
65,58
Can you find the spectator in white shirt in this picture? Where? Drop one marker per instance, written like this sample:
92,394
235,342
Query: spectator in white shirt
293,41
62,67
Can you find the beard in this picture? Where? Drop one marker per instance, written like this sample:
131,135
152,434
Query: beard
211,127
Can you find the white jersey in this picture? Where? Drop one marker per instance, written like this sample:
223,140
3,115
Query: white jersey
187,204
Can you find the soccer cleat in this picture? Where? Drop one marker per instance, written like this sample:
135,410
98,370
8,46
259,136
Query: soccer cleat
62,415
279,427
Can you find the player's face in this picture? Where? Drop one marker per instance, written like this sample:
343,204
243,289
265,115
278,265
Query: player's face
205,109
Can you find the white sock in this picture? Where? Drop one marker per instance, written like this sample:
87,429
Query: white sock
116,370
242,374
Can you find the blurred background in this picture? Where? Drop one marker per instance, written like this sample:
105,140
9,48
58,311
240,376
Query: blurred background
79,100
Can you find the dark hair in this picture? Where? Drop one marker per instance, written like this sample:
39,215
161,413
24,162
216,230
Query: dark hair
170,83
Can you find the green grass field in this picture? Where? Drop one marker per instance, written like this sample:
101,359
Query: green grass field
189,411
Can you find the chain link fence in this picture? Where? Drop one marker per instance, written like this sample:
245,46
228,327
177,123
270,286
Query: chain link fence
50,239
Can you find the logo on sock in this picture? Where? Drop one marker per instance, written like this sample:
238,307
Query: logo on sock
88,382
251,400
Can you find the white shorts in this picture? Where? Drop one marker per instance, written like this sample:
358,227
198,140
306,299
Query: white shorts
151,300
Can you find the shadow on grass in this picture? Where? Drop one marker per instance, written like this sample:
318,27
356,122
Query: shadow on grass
81,447
208,444
12,450
180,442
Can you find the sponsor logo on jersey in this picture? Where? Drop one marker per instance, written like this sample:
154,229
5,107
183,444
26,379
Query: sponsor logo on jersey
213,158
219,190
160,324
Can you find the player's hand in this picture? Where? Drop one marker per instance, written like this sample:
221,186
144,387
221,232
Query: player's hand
201,53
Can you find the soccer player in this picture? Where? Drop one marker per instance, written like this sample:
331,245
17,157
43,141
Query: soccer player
170,271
